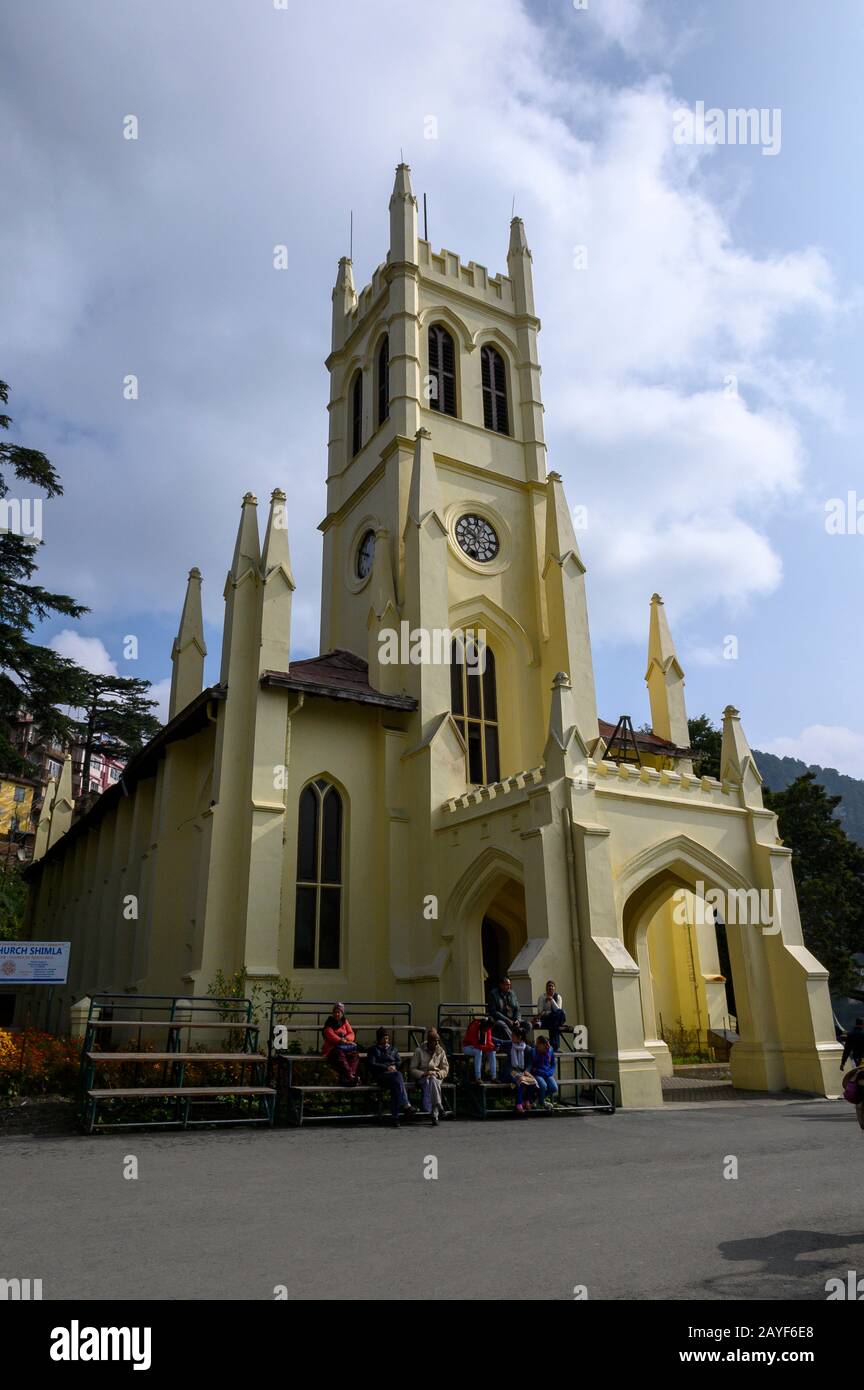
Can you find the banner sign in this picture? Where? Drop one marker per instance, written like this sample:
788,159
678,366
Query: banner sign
34,962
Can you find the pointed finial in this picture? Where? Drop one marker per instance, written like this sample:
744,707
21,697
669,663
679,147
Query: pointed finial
518,239
247,552
423,496
402,183
737,764
276,553
189,649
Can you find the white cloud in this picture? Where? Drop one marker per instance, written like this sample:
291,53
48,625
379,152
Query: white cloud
827,745
166,247
89,653
160,691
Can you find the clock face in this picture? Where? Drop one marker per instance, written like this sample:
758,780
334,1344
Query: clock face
476,537
365,554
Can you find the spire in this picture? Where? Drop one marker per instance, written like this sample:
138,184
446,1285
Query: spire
564,745
383,617
247,554
737,763
665,680
423,498
561,540
189,649
43,827
279,588
245,568
344,301
403,218
383,592
519,268
61,811
426,606
569,640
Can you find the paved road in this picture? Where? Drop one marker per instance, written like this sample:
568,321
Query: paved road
633,1206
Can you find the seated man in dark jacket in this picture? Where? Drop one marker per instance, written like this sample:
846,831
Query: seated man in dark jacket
503,1010
854,1044
383,1064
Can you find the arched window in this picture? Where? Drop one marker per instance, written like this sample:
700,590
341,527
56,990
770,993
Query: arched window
318,914
383,380
442,370
494,390
474,703
357,414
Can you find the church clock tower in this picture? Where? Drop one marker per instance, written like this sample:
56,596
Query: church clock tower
441,514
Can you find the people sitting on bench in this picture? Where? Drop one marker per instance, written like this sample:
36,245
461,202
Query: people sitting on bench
550,1014
479,1042
520,1059
383,1063
504,1009
339,1046
430,1067
542,1068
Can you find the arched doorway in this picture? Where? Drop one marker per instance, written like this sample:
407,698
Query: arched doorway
673,937
502,932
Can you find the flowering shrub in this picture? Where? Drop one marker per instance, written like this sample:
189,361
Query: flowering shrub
37,1064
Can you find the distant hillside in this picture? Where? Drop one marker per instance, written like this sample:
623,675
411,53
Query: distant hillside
779,772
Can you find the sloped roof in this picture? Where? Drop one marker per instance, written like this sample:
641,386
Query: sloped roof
336,675
647,743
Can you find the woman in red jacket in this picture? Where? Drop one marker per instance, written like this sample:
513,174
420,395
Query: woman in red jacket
477,1042
340,1047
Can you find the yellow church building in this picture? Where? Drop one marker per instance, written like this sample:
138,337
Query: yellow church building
384,822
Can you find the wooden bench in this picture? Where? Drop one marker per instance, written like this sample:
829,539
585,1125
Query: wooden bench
478,1091
173,1089
184,1096
296,1094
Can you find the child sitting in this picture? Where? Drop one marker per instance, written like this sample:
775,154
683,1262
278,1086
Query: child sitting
521,1056
543,1070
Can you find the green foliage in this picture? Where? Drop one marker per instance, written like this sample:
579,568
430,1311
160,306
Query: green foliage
705,742
238,986
829,875
13,900
32,677
828,864
116,717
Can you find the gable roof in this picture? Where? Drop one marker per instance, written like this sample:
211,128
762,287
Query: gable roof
336,675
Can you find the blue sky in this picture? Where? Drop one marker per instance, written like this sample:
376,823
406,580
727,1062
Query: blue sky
261,126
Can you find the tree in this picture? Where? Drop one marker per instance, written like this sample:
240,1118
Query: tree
828,866
32,677
115,718
829,875
705,743
13,899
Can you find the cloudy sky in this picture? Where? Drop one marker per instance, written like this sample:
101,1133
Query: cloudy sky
701,302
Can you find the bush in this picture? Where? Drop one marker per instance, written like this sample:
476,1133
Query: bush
38,1064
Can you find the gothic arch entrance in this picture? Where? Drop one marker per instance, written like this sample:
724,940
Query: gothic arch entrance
489,924
502,932
686,956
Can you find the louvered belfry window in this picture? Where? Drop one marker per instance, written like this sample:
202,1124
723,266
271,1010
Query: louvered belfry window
494,390
383,380
318,906
442,370
357,414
